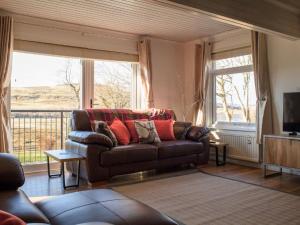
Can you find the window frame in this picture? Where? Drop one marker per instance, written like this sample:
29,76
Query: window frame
225,125
135,98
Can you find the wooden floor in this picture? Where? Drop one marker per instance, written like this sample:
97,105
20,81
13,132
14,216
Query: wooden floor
40,185
286,182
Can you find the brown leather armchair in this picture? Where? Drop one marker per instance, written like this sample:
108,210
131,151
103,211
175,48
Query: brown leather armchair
99,206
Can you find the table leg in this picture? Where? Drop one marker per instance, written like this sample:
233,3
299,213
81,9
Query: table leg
63,173
78,176
48,166
49,170
271,174
224,156
217,155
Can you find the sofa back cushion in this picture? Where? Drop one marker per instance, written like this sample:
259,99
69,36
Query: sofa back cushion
84,120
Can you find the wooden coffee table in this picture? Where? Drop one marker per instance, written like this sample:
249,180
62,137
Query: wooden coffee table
63,156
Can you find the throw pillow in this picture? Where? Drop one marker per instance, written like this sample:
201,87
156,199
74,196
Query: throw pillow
132,130
9,219
121,132
147,132
181,129
196,132
102,128
165,129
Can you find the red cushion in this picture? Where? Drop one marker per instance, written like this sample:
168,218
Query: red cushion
121,132
9,219
132,130
165,129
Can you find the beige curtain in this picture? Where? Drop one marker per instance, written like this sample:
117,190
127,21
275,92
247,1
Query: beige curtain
264,123
6,50
146,73
203,65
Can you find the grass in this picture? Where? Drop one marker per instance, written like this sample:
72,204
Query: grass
31,156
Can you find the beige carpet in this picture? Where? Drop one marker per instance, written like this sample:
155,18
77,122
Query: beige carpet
204,199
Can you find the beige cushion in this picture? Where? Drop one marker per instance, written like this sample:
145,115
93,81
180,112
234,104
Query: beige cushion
147,132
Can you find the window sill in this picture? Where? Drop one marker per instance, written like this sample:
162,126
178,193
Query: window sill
241,127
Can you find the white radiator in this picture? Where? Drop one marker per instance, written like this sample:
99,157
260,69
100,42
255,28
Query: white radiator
241,146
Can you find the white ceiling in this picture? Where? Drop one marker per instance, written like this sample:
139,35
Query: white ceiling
144,17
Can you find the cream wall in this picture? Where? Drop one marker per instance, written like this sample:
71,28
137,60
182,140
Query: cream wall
284,65
168,73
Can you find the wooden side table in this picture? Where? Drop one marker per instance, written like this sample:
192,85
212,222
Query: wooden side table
63,156
219,145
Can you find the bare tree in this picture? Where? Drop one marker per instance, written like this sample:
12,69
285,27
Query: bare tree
114,88
69,81
225,88
223,93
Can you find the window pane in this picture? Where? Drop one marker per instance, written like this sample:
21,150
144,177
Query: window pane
235,98
238,61
113,86
45,82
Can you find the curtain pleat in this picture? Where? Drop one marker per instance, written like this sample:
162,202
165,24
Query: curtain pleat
146,70
6,50
203,66
264,123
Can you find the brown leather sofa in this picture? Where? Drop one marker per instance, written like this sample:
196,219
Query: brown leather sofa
104,161
99,206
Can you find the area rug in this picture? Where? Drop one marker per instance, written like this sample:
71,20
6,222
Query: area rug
202,199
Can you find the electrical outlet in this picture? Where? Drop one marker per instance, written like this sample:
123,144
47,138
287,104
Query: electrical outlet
249,141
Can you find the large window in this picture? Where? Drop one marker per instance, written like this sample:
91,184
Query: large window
45,82
234,90
115,85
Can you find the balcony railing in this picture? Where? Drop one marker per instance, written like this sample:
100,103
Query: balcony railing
34,131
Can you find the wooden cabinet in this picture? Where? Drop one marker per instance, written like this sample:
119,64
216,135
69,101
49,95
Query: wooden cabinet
282,151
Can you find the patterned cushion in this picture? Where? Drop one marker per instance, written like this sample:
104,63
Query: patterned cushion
103,128
147,132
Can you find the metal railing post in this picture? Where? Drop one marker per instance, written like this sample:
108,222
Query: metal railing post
61,129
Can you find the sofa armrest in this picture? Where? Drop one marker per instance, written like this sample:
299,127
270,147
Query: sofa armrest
195,133
88,137
11,172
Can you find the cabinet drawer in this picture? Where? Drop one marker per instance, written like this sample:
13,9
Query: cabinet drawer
282,152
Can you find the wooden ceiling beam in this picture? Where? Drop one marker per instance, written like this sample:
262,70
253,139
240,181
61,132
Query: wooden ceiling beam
260,15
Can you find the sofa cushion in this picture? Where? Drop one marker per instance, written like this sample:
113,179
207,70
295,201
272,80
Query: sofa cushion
169,149
147,132
102,128
121,132
100,205
181,129
132,130
18,204
10,219
129,154
164,129
195,133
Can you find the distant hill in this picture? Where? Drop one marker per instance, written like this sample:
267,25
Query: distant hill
55,97
63,97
